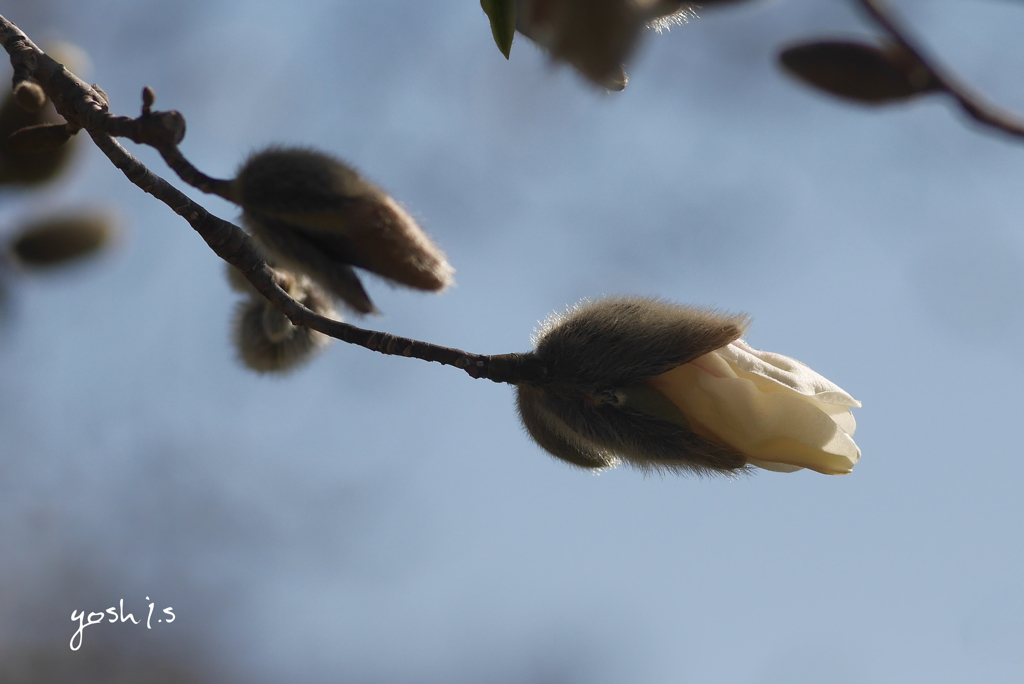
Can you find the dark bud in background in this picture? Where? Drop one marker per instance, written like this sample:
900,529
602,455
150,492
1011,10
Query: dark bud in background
316,215
595,36
20,165
860,72
38,139
56,241
267,342
502,15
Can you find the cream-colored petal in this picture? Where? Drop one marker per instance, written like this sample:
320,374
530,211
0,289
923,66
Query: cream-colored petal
840,413
785,371
774,467
775,426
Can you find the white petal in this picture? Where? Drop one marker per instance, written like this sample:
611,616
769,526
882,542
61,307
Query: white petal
838,412
785,371
763,419
774,467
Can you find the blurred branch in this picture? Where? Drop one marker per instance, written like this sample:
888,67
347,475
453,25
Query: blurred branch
974,104
85,107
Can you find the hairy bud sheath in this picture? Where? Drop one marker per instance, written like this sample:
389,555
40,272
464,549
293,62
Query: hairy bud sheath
317,215
668,387
267,342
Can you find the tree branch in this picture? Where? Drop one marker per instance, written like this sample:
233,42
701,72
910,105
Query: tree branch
85,107
974,104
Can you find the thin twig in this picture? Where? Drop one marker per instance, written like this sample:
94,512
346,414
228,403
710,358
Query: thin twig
85,107
973,103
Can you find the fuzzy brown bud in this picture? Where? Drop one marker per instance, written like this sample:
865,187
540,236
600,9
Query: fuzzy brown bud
317,215
598,354
267,342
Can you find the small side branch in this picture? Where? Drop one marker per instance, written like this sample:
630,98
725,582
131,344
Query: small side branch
973,104
234,246
85,107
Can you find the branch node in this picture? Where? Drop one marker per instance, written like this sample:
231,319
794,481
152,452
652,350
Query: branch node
168,127
101,98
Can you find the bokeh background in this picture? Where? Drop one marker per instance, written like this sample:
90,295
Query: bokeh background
372,519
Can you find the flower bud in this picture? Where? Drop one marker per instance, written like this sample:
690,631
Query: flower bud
668,387
859,71
38,139
58,240
267,342
23,167
28,168
317,215
595,36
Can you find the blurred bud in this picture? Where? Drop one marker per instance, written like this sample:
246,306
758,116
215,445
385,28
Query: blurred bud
267,342
24,167
595,36
859,71
668,387
37,139
502,15
29,96
33,168
317,215
56,241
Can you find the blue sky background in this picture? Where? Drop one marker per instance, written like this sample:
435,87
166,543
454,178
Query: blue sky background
373,519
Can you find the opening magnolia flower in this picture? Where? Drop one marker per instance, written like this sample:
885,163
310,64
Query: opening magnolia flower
664,386
774,410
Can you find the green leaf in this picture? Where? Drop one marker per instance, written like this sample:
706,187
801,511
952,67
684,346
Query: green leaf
502,14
